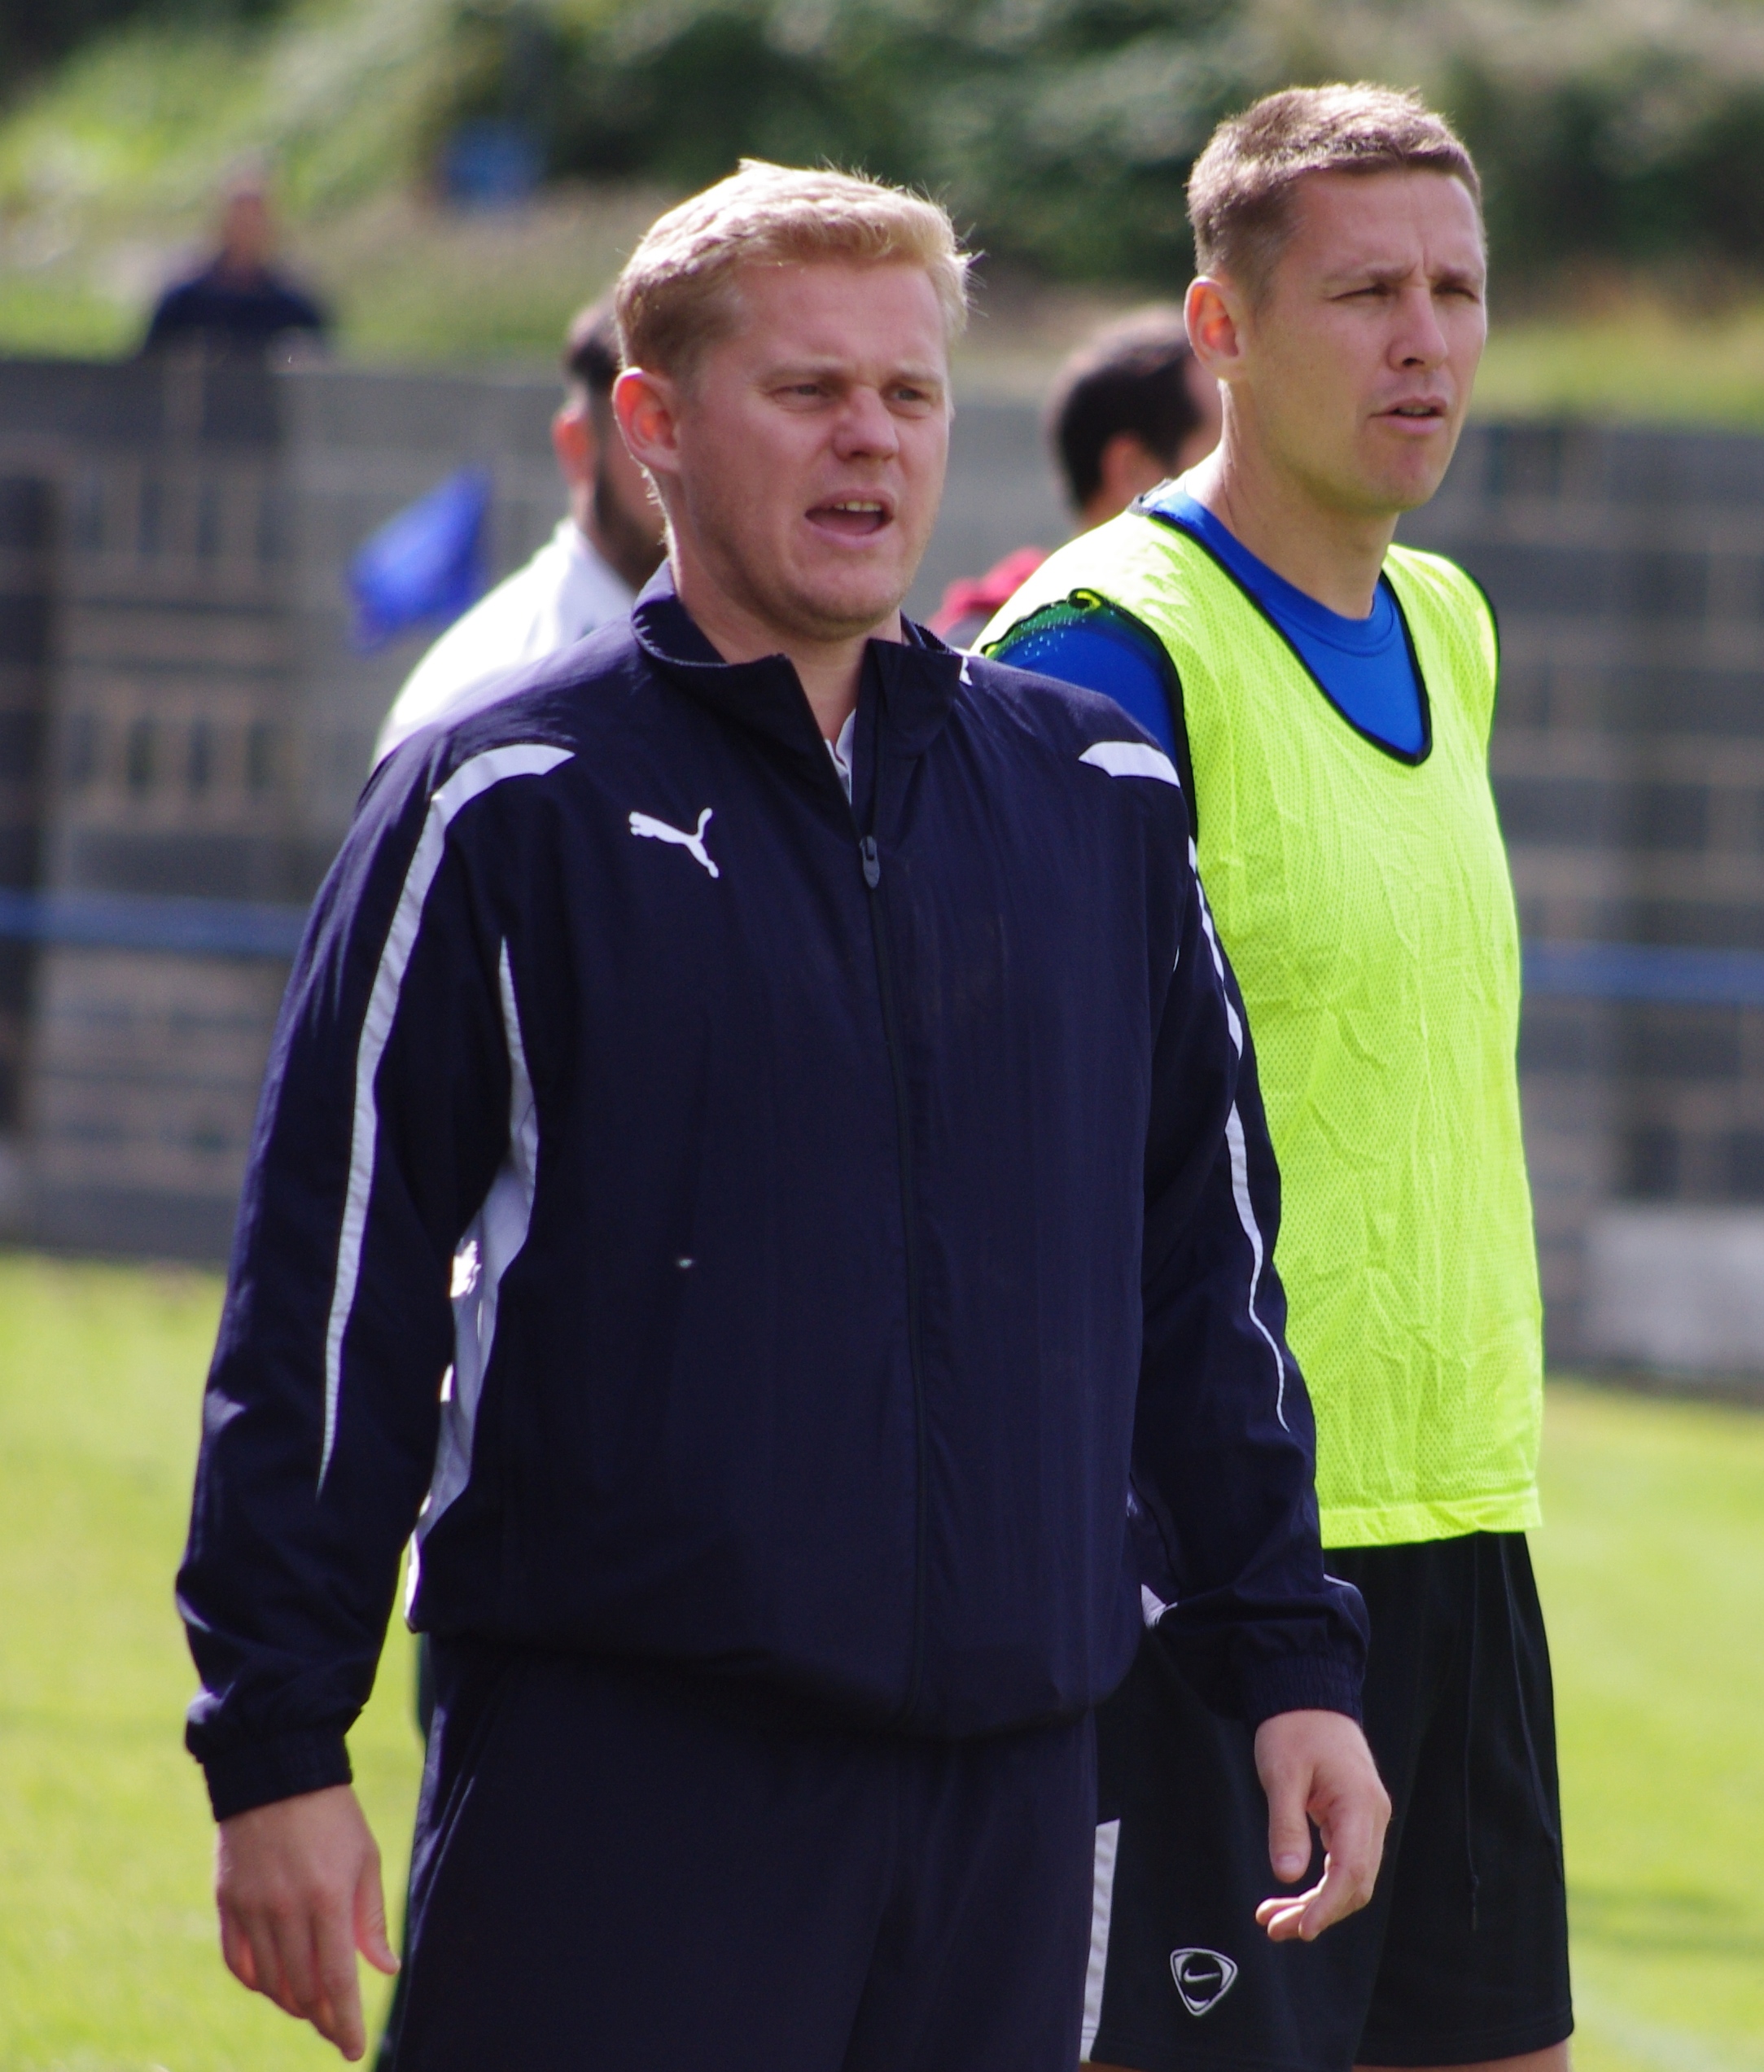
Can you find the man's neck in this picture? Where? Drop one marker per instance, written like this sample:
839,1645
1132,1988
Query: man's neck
1333,555
829,671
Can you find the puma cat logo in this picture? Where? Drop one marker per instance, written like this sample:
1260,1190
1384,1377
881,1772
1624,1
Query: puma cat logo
658,830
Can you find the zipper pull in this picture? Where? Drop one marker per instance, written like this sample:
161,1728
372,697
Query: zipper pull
872,862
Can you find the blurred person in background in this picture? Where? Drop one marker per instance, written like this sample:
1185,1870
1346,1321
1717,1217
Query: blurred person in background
1327,697
1130,409
239,305
587,572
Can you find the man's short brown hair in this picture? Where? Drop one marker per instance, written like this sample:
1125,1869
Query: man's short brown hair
678,293
1240,191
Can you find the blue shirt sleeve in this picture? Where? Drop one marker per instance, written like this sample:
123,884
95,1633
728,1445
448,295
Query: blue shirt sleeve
1098,648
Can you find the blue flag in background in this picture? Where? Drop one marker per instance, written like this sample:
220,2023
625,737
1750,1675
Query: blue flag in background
426,565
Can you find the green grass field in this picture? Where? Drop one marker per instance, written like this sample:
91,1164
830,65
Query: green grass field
1651,1567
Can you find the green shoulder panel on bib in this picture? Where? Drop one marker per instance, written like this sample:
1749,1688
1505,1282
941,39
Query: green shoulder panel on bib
1366,905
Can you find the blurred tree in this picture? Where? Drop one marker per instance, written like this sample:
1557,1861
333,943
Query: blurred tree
33,35
1061,131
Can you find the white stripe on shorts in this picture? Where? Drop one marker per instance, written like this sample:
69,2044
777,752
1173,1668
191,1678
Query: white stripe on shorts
1101,1906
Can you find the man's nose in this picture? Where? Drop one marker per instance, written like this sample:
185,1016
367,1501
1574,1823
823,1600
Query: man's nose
866,426
1421,340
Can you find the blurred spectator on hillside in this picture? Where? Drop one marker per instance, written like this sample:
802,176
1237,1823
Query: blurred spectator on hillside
1130,409
589,572
239,305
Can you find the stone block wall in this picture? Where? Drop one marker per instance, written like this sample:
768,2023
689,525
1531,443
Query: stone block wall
27,568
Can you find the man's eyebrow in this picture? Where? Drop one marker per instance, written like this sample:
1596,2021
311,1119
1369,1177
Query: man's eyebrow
788,370
1390,274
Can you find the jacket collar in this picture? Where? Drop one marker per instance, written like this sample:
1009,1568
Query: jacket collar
916,680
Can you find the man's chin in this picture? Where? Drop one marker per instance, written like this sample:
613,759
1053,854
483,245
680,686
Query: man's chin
1407,487
843,610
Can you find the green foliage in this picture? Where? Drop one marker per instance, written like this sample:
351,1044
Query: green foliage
340,98
34,34
1060,130
1625,133
1064,129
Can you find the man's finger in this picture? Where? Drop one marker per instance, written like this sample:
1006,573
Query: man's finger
267,1974
1343,1891
1348,1878
336,2012
292,1933
1283,1917
370,1937
235,1947
1354,1840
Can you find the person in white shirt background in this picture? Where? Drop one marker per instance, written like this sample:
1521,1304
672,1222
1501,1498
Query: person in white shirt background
587,572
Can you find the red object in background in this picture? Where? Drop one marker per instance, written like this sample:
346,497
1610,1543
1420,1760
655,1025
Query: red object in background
971,600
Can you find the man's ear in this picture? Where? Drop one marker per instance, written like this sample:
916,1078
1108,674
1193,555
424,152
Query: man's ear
574,443
647,406
1214,312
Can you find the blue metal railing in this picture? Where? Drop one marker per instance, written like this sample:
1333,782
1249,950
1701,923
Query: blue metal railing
1636,971
136,920
1645,971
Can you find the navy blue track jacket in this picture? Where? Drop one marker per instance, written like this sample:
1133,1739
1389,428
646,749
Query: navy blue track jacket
752,1233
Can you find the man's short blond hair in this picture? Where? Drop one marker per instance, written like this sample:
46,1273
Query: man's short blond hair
679,294
1242,190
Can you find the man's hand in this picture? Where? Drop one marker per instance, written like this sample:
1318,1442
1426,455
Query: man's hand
297,1884
1315,1766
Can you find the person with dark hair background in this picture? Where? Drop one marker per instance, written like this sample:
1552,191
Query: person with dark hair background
587,573
1130,409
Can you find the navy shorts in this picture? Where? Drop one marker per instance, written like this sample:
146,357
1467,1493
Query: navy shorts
614,1868
1462,1954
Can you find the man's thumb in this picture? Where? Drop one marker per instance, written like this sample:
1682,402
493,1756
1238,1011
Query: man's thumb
370,1922
1289,1832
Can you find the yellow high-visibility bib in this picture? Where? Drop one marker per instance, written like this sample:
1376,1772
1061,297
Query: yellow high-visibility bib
1365,901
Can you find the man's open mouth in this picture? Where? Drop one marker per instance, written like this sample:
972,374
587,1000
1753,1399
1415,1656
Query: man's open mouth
854,518
1419,411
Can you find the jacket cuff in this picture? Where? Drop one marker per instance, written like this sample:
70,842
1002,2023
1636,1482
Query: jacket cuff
260,1773
1299,1683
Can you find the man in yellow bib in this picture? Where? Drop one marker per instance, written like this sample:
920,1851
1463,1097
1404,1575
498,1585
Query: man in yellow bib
1327,697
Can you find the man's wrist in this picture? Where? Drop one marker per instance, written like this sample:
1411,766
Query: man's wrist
260,1772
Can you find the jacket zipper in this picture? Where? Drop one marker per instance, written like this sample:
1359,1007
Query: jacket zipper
872,865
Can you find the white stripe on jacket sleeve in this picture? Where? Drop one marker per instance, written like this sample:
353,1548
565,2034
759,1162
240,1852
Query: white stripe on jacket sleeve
489,1247
471,779
1131,758
1239,1152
